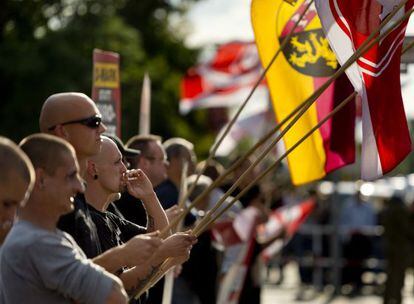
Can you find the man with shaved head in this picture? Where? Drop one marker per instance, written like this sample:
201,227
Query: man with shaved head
107,175
16,182
39,263
75,118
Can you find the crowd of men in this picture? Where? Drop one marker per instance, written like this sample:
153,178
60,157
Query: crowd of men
81,215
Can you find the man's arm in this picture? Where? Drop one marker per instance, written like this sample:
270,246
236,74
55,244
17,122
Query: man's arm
134,252
140,187
175,249
117,295
138,276
156,216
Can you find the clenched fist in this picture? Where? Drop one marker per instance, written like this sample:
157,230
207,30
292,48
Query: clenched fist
140,248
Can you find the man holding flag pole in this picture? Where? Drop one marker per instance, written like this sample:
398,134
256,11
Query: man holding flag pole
371,44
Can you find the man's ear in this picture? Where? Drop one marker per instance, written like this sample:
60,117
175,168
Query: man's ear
40,178
60,131
91,169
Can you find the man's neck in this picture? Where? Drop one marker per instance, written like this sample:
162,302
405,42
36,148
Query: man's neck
83,164
96,197
35,213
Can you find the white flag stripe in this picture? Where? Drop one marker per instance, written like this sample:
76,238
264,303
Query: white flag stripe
370,161
391,51
386,65
342,49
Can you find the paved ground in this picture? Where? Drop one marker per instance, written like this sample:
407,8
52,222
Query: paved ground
287,293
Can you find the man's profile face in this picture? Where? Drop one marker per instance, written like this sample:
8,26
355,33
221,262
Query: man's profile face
64,184
86,140
13,193
153,163
111,168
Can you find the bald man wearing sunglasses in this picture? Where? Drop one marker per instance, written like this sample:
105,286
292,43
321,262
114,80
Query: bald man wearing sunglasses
75,118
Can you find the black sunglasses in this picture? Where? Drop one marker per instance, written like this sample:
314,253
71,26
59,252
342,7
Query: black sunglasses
92,122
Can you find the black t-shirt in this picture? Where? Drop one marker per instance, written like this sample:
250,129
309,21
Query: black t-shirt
201,270
81,227
132,209
167,194
112,229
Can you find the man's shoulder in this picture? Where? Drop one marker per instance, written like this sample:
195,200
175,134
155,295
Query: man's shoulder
165,186
23,234
167,193
25,238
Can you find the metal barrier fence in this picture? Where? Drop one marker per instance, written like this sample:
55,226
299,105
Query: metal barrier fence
333,262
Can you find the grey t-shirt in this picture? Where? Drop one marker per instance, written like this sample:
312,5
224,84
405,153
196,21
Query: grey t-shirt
40,266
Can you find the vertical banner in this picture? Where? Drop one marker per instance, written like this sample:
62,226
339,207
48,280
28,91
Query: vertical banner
306,64
106,90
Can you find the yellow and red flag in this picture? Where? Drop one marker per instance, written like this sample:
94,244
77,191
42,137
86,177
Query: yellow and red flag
306,64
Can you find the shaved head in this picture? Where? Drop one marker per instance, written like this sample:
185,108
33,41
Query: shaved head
12,159
17,179
108,147
62,107
46,151
62,115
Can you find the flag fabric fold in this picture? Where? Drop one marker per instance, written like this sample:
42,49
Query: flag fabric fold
223,81
304,65
375,76
282,225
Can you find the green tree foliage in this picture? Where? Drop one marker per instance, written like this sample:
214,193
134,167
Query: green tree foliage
46,47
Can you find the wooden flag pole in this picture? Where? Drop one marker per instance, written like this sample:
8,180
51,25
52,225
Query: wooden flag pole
202,226
205,223
145,108
243,105
169,277
370,41
407,47
363,49
227,172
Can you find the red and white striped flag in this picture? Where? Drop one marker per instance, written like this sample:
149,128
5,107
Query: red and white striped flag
375,76
223,81
284,220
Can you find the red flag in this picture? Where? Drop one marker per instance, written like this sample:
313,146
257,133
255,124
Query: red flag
223,81
286,220
375,76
